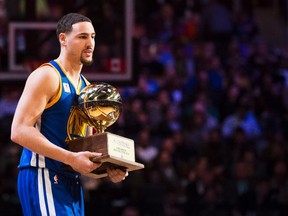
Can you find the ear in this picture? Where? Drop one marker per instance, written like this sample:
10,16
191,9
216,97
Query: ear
62,39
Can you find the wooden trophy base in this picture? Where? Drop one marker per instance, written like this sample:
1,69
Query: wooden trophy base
117,152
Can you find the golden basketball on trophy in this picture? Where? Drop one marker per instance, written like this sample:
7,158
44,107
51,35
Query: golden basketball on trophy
99,106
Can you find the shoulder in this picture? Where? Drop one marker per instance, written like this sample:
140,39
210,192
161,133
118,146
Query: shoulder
44,79
45,74
85,80
45,70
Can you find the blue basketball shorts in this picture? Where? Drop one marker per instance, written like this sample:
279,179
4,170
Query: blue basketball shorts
47,193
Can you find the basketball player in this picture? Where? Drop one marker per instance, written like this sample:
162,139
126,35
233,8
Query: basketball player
40,121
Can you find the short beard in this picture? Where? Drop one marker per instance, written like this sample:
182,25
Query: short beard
86,62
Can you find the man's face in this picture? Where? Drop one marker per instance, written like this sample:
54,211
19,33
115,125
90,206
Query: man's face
80,43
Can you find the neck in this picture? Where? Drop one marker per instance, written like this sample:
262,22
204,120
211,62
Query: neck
70,65
71,69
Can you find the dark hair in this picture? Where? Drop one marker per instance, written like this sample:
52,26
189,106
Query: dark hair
65,23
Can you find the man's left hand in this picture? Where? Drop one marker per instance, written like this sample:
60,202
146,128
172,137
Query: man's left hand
116,175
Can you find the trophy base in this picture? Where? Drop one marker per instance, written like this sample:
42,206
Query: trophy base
117,152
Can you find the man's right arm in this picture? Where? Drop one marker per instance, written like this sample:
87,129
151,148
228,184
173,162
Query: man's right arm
41,86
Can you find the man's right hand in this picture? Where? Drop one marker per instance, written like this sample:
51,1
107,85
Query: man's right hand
81,161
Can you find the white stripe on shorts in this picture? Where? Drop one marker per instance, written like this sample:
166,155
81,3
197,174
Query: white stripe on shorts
49,195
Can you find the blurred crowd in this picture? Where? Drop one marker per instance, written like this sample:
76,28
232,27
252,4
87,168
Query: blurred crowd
208,116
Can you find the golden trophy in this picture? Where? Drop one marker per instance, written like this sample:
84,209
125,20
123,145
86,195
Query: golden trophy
99,106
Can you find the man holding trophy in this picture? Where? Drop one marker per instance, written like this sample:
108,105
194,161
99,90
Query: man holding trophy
46,185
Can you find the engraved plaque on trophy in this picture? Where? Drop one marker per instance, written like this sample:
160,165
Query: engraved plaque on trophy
100,105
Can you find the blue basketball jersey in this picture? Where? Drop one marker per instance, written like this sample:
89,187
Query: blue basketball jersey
44,187
53,122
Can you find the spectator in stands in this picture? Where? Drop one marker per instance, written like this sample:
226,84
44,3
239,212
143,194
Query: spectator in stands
146,152
244,118
217,25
